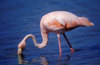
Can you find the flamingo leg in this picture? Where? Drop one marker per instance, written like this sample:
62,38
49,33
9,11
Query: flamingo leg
72,50
60,50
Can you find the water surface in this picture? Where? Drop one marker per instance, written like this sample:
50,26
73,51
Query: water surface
21,17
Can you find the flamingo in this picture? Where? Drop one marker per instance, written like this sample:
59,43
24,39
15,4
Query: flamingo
58,22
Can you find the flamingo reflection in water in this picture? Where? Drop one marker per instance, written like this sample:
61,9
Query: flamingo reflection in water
58,22
41,60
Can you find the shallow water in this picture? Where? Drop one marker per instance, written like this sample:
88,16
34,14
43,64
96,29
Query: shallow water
21,17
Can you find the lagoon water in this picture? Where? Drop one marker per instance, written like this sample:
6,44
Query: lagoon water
21,17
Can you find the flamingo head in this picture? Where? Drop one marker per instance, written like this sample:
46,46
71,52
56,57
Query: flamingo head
21,47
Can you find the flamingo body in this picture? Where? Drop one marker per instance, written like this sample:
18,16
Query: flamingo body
62,21
58,22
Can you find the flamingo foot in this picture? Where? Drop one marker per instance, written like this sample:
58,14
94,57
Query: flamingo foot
72,50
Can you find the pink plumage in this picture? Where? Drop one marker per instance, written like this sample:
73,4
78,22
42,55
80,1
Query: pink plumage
58,22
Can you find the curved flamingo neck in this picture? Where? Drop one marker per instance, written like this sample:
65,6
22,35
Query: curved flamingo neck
44,40
41,45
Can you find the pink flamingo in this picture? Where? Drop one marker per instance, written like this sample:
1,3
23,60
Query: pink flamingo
58,22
